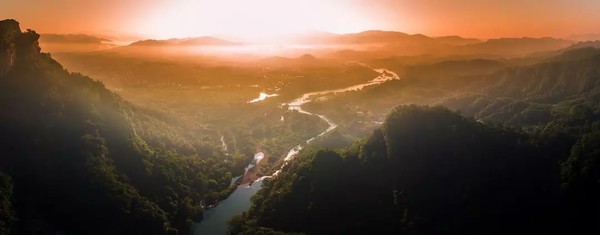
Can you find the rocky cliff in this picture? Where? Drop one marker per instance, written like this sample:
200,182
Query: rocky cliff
16,47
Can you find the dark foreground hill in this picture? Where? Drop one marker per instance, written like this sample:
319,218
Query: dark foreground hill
432,171
71,160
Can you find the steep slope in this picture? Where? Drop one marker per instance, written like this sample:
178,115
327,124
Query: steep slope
529,95
76,162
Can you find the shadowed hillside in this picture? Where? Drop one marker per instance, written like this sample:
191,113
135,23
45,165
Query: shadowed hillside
72,156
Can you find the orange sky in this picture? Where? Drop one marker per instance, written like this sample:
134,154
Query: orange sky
256,18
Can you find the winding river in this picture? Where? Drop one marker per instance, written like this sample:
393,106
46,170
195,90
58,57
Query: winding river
215,220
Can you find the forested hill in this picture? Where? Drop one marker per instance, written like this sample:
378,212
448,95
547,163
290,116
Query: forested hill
560,87
572,74
71,161
431,171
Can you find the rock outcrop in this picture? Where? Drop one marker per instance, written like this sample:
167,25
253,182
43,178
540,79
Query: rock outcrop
16,47
9,31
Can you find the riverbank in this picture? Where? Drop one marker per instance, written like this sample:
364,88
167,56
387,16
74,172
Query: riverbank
251,174
215,221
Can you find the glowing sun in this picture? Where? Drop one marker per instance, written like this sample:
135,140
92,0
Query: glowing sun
251,19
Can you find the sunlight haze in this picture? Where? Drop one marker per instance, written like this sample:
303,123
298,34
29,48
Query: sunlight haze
266,19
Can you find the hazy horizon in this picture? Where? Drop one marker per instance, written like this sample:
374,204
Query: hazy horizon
235,38
270,20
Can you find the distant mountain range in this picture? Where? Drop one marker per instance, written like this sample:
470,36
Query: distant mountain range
378,36
594,44
515,46
74,42
366,37
72,38
583,37
367,44
196,41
